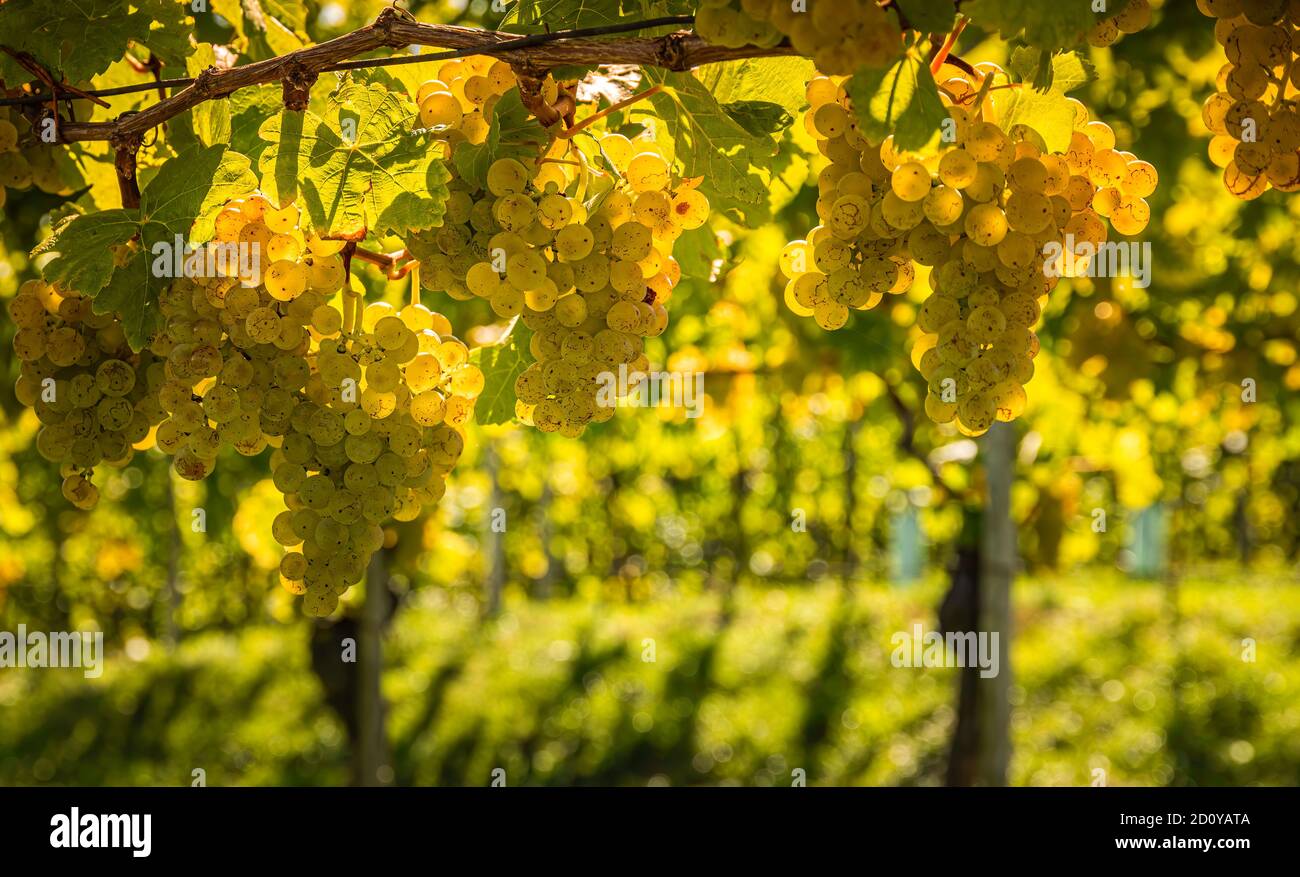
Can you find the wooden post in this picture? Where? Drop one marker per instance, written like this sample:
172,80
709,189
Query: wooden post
373,768
998,557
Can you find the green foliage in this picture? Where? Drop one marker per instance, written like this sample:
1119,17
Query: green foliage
902,100
1065,71
1049,25
690,692
265,28
696,131
184,195
540,16
359,167
513,133
779,81
79,40
501,364
652,516
928,16
764,95
243,708
1047,111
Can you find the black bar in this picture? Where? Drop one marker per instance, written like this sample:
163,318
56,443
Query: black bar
571,826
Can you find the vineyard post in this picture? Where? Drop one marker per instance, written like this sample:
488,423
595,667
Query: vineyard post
372,745
997,566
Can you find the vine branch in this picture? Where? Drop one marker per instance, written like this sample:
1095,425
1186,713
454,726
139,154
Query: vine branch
394,28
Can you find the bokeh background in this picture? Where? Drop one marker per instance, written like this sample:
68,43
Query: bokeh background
650,616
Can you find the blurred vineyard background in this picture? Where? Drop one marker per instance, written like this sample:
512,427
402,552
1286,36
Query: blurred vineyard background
650,615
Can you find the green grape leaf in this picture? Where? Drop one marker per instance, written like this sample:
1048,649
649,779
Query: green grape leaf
169,36
180,201
361,167
501,364
789,173
1063,71
696,132
248,109
759,117
1047,111
84,260
534,16
696,250
930,16
80,40
781,81
133,292
1045,24
264,28
902,100
512,133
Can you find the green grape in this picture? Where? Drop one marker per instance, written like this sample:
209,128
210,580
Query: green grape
554,211
689,208
482,280
986,225
943,205
363,448
911,181
514,212
80,492
190,466
632,242
506,176
648,172
285,280
316,492
957,169
1028,212
525,271
221,404
428,408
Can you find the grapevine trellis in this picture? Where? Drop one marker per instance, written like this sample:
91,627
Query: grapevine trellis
961,174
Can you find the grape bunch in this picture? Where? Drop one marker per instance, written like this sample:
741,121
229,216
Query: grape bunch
857,255
23,168
979,213
236,341
1253,113
590,283
459,100
372,437
96,400
590,286
840,36
1134,17
363,406
446,253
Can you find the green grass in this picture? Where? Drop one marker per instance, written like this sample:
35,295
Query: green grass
1105,675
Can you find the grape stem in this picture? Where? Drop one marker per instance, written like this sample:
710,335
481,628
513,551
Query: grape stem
944,50
612,108
395,268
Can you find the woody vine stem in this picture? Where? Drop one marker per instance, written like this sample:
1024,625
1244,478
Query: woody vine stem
394,28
